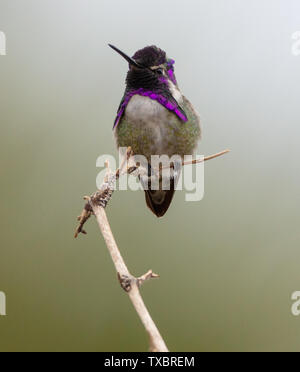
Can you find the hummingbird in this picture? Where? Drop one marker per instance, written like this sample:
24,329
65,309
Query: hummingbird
155,118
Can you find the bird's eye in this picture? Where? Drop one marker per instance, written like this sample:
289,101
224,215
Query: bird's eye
159,71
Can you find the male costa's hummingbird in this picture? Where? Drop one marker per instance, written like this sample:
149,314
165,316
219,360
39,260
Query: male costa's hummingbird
154,117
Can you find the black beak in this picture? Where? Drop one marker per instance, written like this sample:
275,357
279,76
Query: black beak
130,60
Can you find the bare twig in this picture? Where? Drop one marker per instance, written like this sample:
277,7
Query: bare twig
96,205
197,161
128,282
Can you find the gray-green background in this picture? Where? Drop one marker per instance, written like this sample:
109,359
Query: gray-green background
229,263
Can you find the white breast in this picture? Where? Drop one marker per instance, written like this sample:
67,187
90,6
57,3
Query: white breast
151,118
143,110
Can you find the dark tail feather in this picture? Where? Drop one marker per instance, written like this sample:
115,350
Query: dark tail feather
159,201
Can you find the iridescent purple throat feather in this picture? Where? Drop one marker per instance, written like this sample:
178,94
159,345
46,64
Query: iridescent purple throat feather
170,69
171,106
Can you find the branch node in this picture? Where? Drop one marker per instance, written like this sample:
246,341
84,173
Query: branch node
85,215
149,275
103,196
125,282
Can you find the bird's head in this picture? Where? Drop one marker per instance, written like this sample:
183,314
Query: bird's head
149,69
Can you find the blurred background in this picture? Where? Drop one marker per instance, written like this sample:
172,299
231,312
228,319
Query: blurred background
229,263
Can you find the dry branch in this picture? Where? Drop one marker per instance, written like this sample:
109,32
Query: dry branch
96,205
